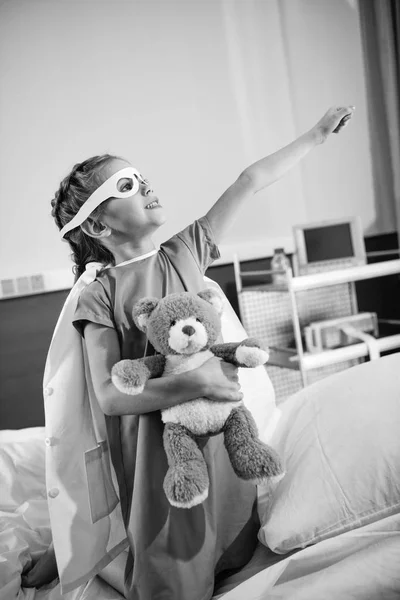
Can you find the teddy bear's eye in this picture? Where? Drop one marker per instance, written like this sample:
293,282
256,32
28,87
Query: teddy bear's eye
198,320
173,323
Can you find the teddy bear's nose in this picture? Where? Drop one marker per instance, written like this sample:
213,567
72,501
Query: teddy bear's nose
189,330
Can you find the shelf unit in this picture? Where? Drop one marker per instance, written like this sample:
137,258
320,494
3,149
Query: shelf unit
306,360
298,358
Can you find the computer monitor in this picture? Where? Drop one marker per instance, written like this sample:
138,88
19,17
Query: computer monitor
328,245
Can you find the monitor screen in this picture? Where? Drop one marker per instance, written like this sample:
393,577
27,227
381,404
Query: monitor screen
329,242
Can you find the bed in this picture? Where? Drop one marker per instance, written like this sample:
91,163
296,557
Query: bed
330,529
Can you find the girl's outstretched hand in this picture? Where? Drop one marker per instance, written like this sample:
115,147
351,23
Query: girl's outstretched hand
333,121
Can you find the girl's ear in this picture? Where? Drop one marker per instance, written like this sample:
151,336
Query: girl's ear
95,229
142,311
214,297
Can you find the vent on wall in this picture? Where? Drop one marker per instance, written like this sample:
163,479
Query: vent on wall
21,286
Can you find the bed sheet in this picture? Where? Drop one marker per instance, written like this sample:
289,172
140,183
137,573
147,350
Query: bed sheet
25,527
24,520
360,564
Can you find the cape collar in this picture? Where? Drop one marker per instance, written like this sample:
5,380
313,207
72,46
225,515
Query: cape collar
141,257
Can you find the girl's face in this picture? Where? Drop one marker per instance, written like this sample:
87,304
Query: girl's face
138,215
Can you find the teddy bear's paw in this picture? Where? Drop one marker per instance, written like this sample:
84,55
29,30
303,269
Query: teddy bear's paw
186,485
265,466
250,356
256,462
189,503
129,377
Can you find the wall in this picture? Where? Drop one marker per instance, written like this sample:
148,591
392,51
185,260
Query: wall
323,40
191,92
26,328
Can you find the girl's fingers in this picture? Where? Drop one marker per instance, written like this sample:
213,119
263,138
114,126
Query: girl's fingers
346,110
342,123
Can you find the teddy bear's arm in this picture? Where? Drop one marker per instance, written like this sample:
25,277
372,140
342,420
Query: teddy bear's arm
130,376
248,353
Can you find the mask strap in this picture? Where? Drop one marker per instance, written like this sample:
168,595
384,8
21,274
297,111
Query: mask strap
106,190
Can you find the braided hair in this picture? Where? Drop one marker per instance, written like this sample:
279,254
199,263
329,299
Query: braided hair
73,192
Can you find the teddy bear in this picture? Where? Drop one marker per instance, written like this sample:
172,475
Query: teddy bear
184,328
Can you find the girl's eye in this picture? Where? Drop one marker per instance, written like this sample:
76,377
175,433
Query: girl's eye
198,320
173,323
125,186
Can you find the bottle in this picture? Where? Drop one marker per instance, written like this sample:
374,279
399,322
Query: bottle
279,265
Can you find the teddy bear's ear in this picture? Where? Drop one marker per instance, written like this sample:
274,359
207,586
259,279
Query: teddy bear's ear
142,311
214,297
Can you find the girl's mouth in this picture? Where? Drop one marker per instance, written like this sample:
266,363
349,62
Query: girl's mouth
153,204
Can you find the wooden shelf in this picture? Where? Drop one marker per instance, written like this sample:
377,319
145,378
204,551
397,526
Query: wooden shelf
326,279
283,357
359,350
329,278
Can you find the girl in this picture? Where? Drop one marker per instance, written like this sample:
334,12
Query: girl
108,213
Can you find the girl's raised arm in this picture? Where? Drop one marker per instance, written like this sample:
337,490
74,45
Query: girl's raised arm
271,168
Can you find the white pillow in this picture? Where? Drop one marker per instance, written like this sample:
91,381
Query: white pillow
340,441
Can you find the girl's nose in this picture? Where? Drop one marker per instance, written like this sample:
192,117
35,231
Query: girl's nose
188,329
147,189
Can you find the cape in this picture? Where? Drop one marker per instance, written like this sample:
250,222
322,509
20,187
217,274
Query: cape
85,516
